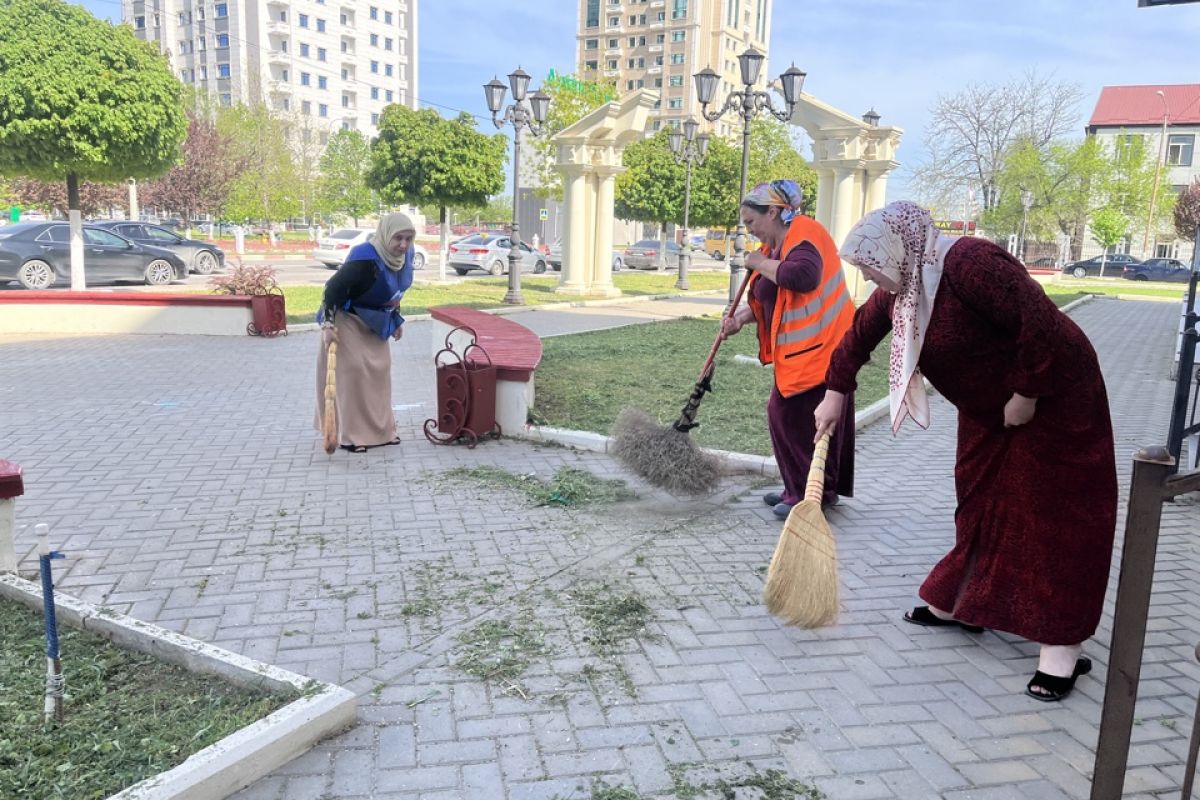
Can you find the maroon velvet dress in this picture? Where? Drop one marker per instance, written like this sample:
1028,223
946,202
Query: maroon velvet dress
1037,503
790,419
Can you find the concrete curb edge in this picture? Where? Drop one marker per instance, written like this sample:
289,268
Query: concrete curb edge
245,755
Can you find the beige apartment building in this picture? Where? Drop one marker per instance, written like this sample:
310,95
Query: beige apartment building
661,44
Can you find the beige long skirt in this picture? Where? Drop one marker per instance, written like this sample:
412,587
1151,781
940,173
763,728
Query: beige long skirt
364,385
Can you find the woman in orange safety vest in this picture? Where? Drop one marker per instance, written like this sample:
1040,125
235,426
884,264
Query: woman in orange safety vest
799,302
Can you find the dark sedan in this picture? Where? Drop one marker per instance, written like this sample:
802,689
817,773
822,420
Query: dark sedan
1158,269
38,254
202,257
644,255
1091,266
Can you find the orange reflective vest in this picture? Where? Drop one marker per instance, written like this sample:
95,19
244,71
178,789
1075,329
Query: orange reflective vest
807,326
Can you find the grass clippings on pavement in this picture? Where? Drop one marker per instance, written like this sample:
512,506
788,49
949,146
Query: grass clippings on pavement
613,614
569,487
499,650
128,716
769,784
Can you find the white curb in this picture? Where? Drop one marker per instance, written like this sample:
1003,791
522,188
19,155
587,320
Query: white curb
244,756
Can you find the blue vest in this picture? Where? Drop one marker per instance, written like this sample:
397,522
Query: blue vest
379,306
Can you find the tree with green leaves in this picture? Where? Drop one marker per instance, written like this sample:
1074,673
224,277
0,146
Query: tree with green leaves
1109,226
343,184
268,189
774,156
200,183
571,99
1187,212
421,158
82,99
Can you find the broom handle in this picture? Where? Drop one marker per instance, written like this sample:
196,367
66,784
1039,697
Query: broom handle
737,299
816,473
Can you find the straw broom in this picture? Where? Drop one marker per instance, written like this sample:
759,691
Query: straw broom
802,580
329,423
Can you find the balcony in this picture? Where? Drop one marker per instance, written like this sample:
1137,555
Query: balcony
654,70
279,58
279,87
278,28
656,48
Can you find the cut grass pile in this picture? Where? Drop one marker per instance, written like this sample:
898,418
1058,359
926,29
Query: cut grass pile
569,486
128,716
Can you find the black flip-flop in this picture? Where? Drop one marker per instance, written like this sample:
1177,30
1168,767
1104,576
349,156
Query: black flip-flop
921,615
1056,687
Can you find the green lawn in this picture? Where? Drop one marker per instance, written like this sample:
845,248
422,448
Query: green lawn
302,301
586,379
1117,286
127,715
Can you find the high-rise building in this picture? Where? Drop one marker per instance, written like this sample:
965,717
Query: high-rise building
331,63
661,44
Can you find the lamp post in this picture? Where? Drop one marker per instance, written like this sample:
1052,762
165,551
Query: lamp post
1162,146
1026,204
525,113
749,103
688,149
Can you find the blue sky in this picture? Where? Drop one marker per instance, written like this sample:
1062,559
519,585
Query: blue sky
894,55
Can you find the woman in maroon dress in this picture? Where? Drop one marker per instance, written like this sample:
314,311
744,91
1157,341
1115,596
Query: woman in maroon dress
801,309
1035,473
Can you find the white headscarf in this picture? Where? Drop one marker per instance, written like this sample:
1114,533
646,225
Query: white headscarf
389,225
901,241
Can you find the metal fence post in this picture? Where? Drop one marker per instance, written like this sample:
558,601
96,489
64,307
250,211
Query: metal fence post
1151,467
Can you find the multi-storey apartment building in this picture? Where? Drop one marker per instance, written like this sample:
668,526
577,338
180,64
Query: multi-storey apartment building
330,64
660,44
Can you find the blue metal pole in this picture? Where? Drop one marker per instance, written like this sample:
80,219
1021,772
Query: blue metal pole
55,683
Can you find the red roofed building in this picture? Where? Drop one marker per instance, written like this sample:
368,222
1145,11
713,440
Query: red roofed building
1150,111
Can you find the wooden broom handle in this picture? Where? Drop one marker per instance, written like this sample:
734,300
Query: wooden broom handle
816,473
737,299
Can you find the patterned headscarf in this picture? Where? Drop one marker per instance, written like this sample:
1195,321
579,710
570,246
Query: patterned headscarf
901,241
389,225
783,194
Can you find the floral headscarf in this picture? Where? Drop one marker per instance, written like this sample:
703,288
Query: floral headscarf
901,241
783,194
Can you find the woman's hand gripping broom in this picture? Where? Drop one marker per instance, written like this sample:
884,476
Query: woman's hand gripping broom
802,580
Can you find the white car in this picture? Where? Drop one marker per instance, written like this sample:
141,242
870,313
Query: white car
333,249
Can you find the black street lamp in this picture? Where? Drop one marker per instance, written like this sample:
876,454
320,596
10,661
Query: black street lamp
749,103
688,149
525,113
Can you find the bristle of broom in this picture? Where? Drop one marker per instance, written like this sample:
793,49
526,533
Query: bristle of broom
329,425
802,580
662,455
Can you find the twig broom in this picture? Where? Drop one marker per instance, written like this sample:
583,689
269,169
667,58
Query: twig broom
329,422
665,455
802,580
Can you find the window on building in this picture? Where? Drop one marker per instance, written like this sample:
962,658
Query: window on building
157,22
679,9
678,36
203,72
389,95
631,62
592,15
374,119
374,13
200,12
612,63
345,101
387,43
322,110
641,19
641,41
222,70
1179,149
202,43
662,16
676,58
287,104
305,79
226,99
591,44
345,19
675,102
387,70
374,40
614,22
304,50
221,10
285,76
633,19
283,46
676,80
345,74
283,16
139,23
322,55
589,65
306,108
375,67
760,24
374,92
614,44
345,46
320,25
222,40
660,38
302,20
387,18
658,83
633,41
322,82
629,85
732,12
657,126
658,61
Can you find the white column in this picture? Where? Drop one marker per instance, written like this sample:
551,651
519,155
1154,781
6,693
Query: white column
876,189
78,280
843,204
606,178
825,198
575,243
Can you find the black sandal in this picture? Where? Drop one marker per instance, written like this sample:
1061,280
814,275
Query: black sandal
1056,687
355,448
921,615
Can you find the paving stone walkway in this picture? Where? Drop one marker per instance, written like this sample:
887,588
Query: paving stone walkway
183,479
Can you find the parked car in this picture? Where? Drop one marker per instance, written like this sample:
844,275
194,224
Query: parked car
1158,269
644,255
489,252
202,257
332,249
38,254
1091,266
1045,262
719,243
556,259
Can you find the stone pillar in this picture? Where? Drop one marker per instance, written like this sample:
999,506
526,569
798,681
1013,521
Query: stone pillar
606,178
876,189
824,213
843,204
576,241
